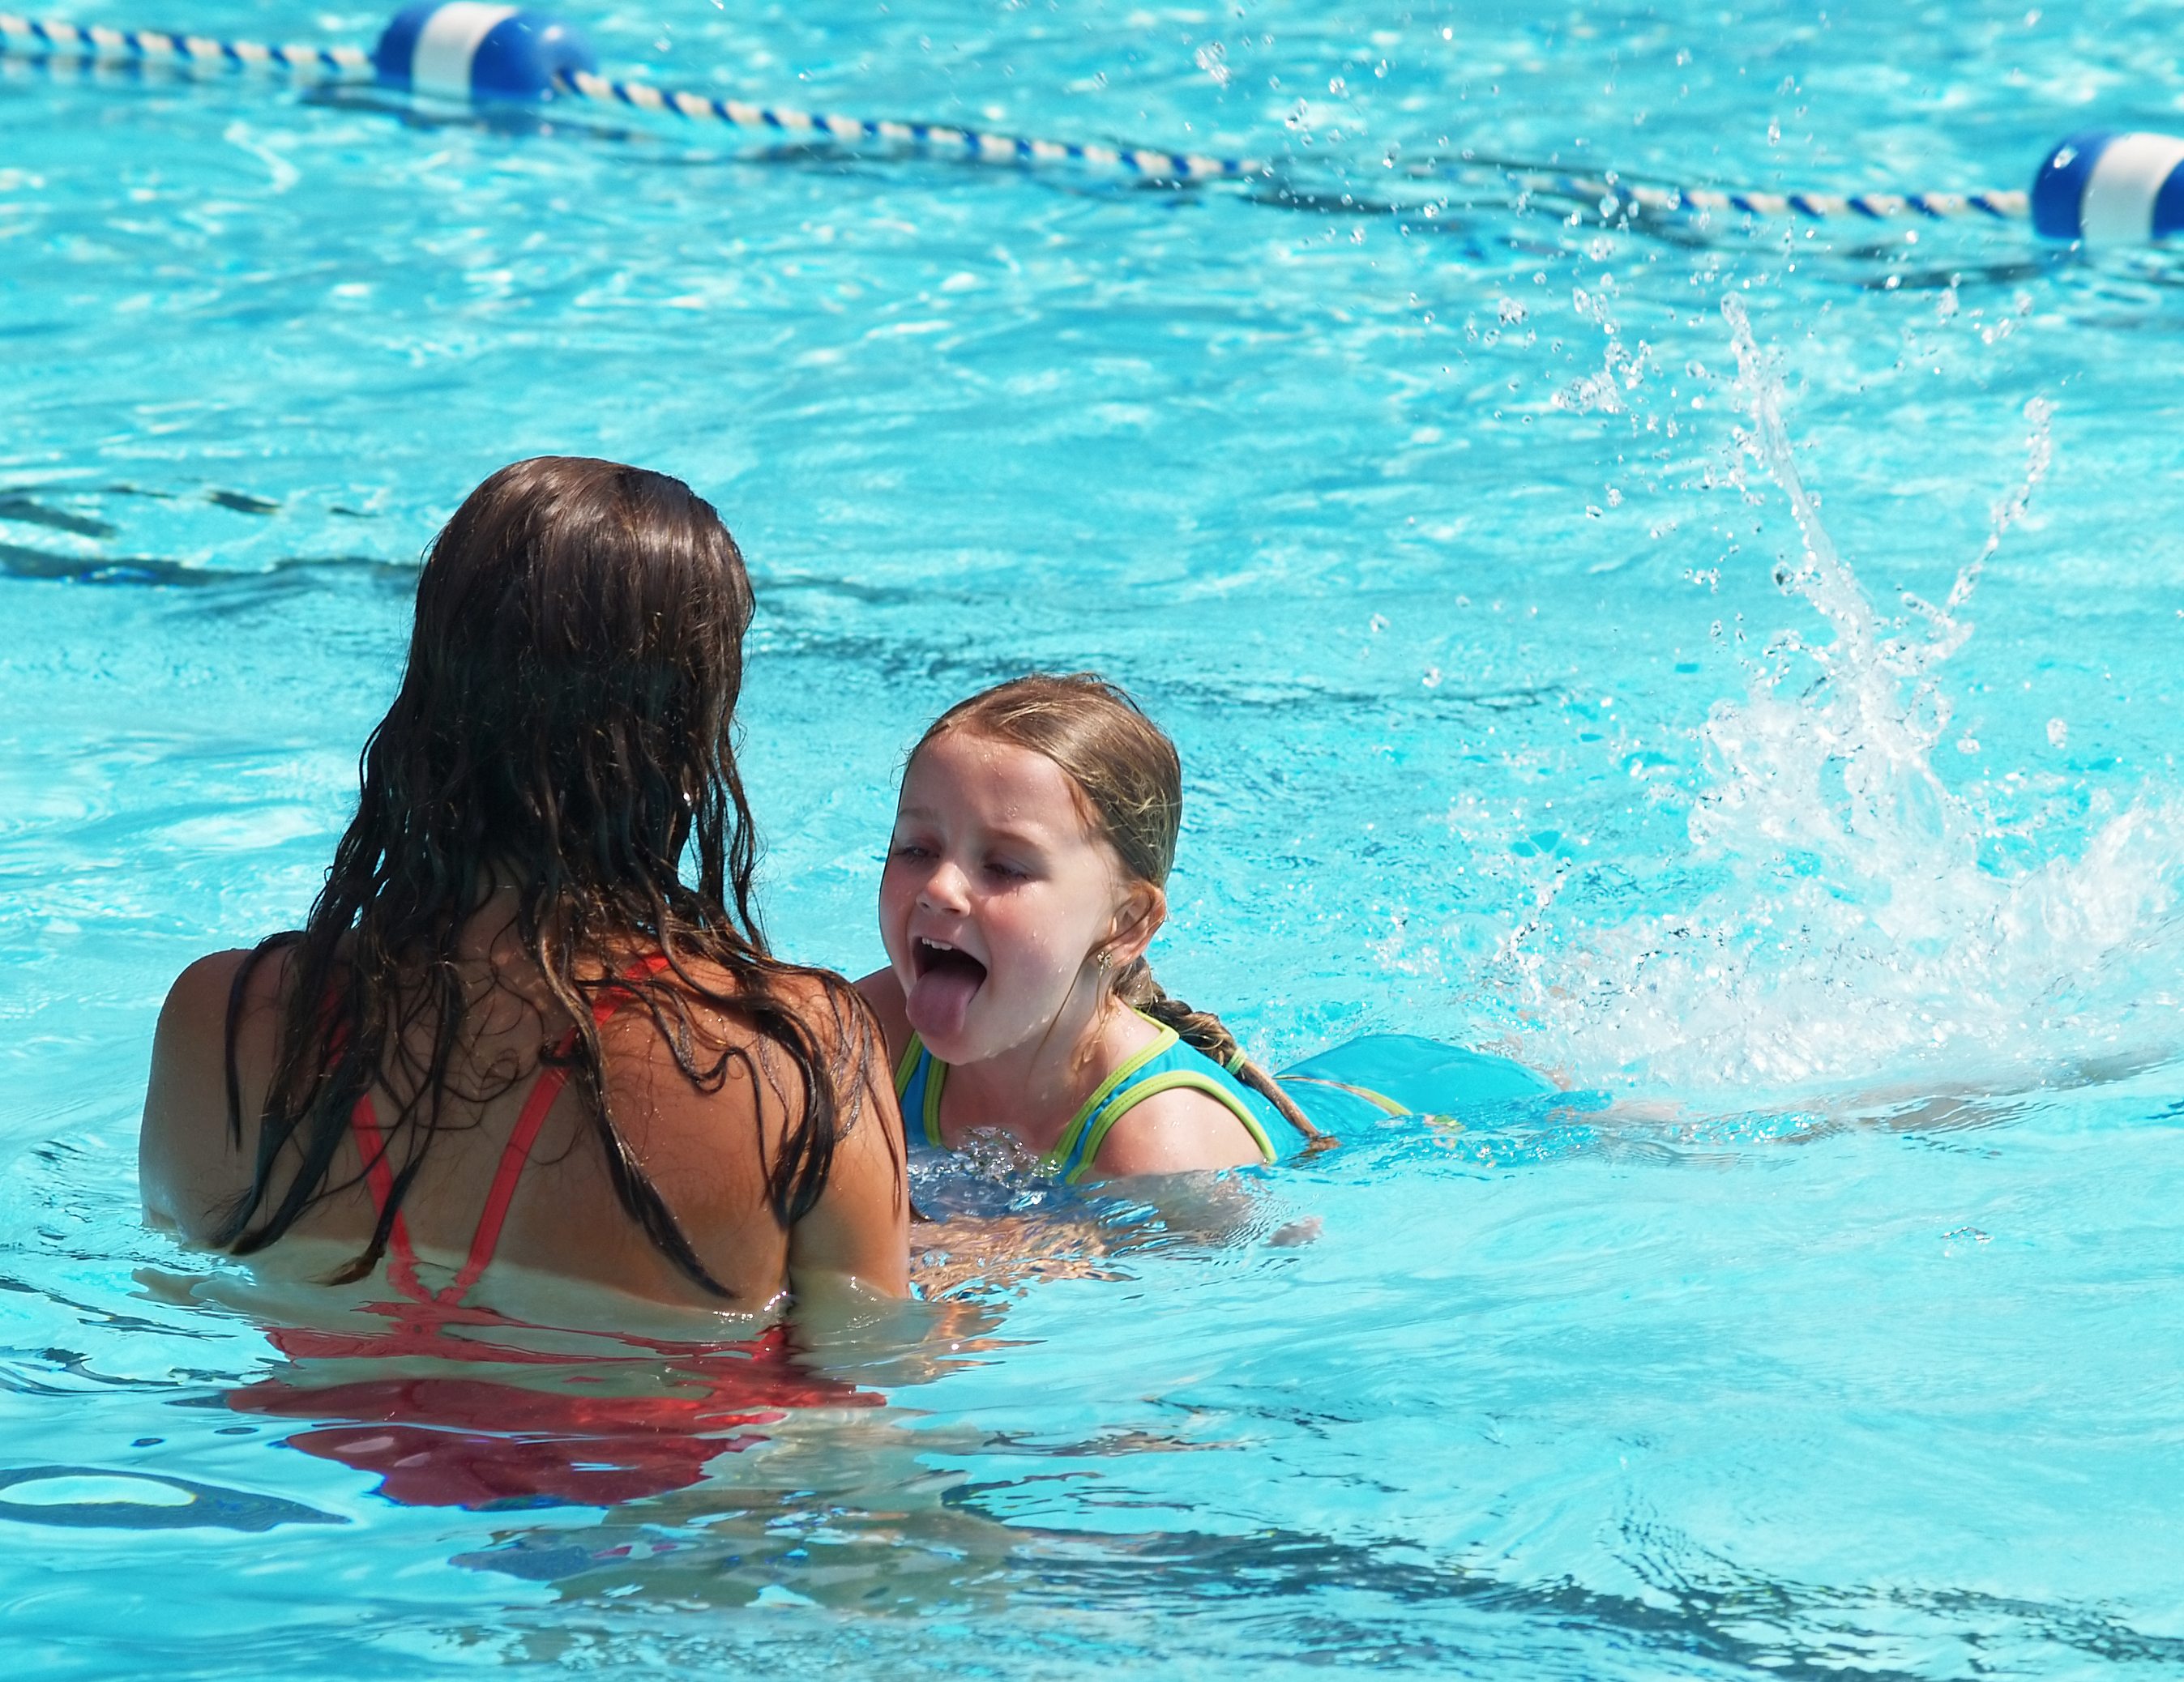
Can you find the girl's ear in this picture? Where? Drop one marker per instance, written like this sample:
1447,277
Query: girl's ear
1137,920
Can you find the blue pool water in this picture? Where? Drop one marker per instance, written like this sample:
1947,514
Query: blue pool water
1846,1341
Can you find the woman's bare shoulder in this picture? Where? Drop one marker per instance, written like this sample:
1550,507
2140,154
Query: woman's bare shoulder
187,1165
200,993
817,991
693,1130
722,1008
826,1003
884,992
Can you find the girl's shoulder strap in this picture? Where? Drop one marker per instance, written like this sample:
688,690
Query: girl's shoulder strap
909,1066
1164,1066
918,1078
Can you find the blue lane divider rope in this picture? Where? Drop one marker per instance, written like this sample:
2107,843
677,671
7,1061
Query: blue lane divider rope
43,37
977,144
1811,207
2096,187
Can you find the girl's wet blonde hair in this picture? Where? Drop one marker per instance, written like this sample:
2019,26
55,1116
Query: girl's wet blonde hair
1130,777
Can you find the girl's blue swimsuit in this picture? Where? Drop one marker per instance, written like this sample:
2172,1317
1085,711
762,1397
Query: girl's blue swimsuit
1364,1082
1162,1066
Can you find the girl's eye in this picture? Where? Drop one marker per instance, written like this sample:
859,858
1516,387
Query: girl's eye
1006,872
909,850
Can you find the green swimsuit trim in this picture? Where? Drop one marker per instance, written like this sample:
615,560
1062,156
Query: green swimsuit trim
920,1077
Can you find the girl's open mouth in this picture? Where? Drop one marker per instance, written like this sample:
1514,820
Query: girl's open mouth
948,978
936,956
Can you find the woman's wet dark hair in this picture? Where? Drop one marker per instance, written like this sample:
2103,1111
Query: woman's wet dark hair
563,727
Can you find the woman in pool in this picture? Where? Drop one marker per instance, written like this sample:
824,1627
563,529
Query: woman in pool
1026,876
513,1044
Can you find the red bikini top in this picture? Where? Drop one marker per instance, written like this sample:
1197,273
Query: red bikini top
553,1075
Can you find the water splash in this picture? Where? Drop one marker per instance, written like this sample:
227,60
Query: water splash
1861,939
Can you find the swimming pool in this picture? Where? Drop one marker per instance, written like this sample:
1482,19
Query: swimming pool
1846,1342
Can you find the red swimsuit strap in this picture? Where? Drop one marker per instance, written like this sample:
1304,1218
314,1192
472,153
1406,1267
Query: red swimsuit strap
401,1255
371,1145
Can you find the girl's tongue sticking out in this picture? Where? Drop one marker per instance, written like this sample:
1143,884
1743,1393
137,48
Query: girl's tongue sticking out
948,979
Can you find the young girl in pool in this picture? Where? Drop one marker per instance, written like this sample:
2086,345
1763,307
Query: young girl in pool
1032,840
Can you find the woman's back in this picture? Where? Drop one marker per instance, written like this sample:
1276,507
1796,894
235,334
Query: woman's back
708,1151
530,1024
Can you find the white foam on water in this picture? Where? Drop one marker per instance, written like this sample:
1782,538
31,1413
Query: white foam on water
1860,940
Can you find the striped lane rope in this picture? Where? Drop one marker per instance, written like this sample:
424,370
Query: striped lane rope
31,37
972,145
1156,165
48,37
1811,207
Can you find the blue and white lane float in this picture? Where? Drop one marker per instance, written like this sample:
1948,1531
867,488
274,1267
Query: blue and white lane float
486,55
2111,189
467,50
2096,187
464,49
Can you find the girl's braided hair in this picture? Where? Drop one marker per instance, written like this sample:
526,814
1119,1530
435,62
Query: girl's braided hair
1131,779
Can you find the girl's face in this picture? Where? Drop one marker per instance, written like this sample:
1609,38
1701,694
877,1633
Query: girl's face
995,894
